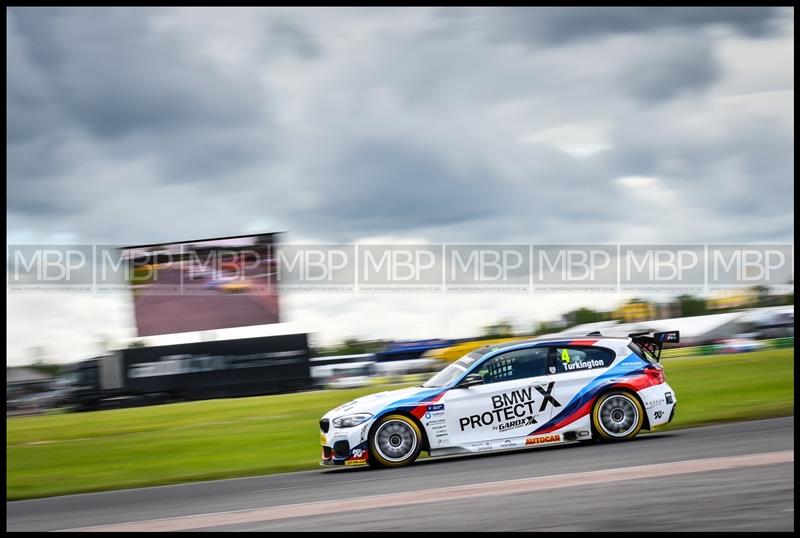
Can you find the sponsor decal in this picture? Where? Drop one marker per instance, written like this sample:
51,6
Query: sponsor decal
548,396
668,396
322,438
436,421
540,439
653,403
437,407
358,456
527,421
584,365
511,408
505,407
658,414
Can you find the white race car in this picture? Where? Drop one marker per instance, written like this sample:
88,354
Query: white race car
520,394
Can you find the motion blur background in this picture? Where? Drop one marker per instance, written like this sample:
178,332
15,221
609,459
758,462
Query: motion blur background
173,137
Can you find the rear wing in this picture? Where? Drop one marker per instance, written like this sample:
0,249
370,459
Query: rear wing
652,343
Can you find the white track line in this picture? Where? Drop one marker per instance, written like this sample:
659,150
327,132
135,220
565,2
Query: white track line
504,487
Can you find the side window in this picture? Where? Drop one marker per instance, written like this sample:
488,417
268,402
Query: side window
575,359
519,364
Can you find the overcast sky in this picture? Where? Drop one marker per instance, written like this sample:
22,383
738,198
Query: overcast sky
548,125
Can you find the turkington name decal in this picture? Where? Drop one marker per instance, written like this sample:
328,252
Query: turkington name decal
592,363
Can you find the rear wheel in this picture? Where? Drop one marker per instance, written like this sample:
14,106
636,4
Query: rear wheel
395,441
617,416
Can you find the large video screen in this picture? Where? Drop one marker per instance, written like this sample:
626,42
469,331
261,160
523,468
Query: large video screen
203,285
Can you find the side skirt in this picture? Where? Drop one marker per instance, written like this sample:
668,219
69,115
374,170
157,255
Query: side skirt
514,443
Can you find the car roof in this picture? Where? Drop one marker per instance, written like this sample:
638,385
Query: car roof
575,339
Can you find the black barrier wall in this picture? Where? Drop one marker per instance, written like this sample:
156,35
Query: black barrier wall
194,371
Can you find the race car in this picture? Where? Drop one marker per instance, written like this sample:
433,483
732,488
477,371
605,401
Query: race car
514,395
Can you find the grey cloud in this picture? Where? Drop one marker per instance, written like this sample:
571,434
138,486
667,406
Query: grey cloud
734,175
562,25
660,73
283,36
104,85
407,137
384,185
132,76
380,186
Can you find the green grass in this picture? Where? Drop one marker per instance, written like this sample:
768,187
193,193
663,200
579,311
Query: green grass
720,388
79,452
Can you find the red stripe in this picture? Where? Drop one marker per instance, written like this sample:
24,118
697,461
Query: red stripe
586,342
640,382
423,408
572,417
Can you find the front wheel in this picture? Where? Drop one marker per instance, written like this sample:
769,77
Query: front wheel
395,441
617,416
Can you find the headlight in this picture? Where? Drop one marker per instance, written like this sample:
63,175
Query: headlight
348,421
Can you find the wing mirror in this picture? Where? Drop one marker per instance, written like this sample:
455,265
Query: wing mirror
470,380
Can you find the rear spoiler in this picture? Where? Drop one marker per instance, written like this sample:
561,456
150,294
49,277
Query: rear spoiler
653,343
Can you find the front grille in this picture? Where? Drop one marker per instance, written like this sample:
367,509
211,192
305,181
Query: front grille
324,425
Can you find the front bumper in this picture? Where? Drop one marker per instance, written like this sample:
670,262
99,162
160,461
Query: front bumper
347,446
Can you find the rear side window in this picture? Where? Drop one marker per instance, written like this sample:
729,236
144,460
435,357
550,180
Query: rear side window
577,359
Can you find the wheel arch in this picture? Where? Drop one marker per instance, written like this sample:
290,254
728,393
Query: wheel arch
424,441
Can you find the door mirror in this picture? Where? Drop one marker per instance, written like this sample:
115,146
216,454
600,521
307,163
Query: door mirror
470,380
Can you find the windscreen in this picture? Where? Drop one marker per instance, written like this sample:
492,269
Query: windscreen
453,372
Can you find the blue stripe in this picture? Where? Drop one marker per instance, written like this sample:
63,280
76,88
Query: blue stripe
411,401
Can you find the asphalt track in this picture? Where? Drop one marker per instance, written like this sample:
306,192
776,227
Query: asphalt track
732,477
